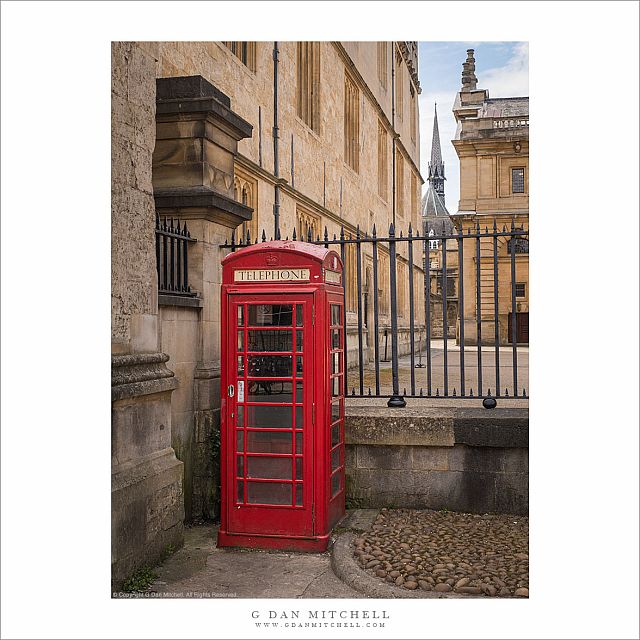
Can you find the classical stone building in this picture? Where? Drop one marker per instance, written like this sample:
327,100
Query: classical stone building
436,222
492,143
211,138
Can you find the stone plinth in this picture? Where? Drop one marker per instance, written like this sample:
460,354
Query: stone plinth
146,482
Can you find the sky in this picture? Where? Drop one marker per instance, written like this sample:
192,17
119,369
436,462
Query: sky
501,67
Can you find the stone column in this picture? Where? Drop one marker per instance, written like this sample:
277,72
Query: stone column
146,492
193,171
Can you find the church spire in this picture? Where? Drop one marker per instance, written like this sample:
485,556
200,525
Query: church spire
436,166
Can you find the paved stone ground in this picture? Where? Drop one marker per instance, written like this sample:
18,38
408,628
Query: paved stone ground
440,552
200,570
423,554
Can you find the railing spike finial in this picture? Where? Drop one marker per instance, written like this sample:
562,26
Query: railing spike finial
264,236
369,390
164,223
341,232
513,224
506,392
421,392
410,234
489,392
373,231
293,235
358,231
437,392
504,228
471,392
353,391
256,240
334,237
404,391
392,231
271,239
454,392
233,238
309,235
248,236
326,233
171,229
524,392
495,226
286,239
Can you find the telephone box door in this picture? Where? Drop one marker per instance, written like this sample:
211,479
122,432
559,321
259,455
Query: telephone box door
269,403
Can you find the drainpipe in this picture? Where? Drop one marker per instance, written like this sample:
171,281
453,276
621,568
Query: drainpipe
393,133
276,172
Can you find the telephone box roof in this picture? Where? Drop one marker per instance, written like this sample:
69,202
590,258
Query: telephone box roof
317,253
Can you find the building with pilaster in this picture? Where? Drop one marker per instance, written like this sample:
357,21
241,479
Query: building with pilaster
492,143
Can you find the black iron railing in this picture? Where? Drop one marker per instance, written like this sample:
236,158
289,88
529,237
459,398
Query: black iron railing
172,257
493,332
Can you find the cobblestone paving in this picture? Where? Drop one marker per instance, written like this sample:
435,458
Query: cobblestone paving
444,551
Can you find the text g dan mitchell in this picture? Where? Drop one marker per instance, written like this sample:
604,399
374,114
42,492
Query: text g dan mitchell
321,614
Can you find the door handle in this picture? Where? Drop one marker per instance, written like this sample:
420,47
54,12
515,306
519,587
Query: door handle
230,391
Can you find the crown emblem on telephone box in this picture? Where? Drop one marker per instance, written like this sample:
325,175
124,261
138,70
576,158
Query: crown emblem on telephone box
272,259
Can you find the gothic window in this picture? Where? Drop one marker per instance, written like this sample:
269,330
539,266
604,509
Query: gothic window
383,175
433,244
401,287
399,184
517,180
399,86
517,245
351,123
412,104
350,258
307,222
383,282
308,84
382,64
244,51
414,197
245,189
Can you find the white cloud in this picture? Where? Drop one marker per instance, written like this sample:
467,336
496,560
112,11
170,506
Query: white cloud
512,79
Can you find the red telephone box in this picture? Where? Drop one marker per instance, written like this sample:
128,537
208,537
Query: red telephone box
282,412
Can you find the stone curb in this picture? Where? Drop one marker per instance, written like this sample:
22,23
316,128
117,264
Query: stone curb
345,566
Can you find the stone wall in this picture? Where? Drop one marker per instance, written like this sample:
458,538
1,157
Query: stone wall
146,478
458,459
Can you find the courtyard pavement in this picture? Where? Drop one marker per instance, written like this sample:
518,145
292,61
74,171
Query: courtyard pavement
423,554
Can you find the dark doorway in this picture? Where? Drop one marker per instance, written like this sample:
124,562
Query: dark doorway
522,328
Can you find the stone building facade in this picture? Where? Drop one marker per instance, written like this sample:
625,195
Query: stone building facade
231,137
492,143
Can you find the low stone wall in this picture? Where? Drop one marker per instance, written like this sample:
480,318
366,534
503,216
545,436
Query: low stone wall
472,460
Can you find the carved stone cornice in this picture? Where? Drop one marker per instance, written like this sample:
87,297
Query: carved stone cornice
201,203
139,374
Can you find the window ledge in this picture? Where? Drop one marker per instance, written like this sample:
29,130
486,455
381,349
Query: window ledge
166,300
